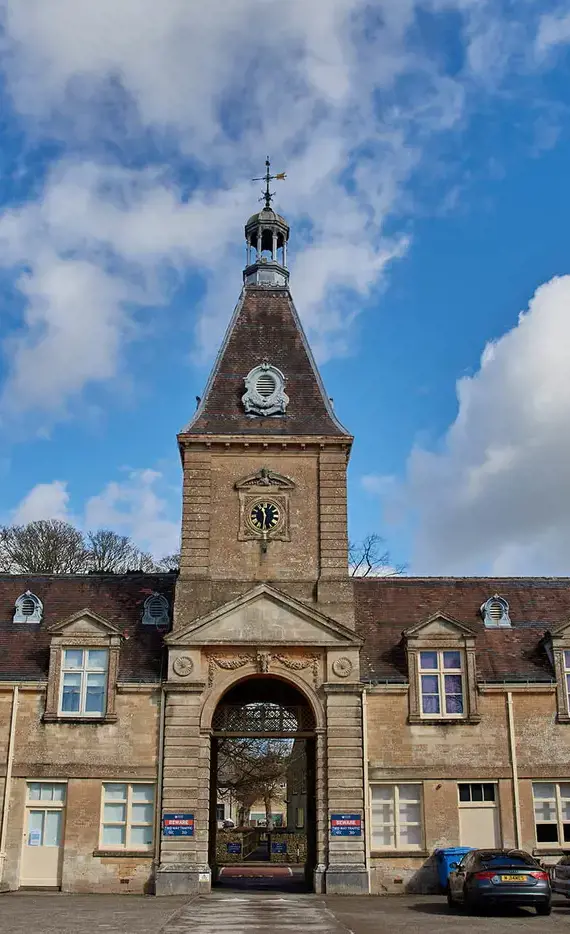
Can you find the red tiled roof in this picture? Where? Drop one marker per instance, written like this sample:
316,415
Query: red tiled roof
24,647
265,328
385,607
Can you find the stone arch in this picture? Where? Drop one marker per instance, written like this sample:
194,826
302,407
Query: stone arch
227,681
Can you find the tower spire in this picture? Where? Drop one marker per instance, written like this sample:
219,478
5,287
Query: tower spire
268,195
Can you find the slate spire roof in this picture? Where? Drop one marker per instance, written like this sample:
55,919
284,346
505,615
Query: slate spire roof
265,329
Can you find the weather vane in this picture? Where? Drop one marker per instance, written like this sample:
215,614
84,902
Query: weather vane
267,194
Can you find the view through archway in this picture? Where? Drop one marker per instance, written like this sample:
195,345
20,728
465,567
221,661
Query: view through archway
262,800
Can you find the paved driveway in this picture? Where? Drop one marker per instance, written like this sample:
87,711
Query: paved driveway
259,913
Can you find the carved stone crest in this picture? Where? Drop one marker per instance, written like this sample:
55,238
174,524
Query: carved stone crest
265,391
183,666
342,667
264,478
263,660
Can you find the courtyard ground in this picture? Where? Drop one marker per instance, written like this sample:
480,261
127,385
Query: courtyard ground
237,912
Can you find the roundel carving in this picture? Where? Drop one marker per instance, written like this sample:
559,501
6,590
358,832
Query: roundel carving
183,666
342,667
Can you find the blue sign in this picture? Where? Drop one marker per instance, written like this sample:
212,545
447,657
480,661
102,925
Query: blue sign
234,848
178,825
346,825
278,847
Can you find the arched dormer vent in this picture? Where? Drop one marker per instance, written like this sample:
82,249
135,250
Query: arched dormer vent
265,391
495,613
156,611
28,608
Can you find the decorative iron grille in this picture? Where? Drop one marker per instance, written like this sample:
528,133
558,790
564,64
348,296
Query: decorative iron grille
261,718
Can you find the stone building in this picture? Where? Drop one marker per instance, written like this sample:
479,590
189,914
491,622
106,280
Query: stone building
435,712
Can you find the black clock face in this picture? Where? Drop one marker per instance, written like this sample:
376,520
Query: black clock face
264,516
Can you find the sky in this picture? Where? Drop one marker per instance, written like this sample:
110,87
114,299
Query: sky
427,146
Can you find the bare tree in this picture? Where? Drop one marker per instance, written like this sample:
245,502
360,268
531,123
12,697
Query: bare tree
253,769
109,552
169,562
368,558
47,546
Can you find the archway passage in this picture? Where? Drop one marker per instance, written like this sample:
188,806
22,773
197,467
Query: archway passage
262,798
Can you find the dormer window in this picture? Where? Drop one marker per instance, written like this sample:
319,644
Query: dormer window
156,611
495,613
28,608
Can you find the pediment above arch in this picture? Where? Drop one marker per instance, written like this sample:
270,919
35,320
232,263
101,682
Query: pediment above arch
265,616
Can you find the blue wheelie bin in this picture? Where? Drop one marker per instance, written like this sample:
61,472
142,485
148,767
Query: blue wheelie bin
444,858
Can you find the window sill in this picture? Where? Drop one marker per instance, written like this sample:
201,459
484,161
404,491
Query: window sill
125,854
399,854
562,718
442,721
78,718
550,851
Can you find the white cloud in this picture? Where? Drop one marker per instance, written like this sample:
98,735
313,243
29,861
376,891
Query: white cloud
44,501
496,498
133,507
342,92
553,30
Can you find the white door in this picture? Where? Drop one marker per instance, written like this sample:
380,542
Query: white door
42,852
479,825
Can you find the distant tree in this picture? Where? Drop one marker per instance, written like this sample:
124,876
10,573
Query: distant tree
47,546
368,558
169,562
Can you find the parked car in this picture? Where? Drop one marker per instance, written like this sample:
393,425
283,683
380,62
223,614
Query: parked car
499,877
561,877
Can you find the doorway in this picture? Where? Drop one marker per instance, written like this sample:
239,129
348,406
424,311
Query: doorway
42,853
262,789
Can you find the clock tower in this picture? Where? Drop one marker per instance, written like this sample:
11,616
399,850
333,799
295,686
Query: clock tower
264,605
264,456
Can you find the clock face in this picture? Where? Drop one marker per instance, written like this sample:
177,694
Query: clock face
265,516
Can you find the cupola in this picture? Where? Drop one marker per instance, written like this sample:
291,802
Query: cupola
266,236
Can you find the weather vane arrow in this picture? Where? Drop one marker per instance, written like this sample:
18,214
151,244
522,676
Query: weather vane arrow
268,195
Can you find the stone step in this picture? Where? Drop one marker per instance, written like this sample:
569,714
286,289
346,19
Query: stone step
252,913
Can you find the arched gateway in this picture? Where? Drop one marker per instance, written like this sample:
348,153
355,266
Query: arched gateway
263,591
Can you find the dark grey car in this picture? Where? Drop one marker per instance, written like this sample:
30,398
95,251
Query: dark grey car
561,877
499,877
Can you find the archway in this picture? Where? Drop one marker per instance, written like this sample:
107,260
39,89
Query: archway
262,787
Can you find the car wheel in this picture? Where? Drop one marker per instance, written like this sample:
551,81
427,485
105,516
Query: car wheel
450,900
544,909
470,904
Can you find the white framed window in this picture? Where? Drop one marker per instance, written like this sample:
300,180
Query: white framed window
396,816
442,683
127,816
83,688
45,809
551,812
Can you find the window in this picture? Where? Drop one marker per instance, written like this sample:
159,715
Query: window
84,682
566,656
128,816
28,608
396,822
476,792
156,611
552,812
45,810
495,612
441,683
300,818
220,812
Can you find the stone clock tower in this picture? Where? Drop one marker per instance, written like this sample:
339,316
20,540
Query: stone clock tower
263,586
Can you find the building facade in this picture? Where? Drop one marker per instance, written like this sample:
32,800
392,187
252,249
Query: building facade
435,712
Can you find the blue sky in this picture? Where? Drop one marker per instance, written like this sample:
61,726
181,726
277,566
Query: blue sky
427,150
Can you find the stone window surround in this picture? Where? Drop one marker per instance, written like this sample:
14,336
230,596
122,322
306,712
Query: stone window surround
559,644
32,618
430,643
107,850
81,641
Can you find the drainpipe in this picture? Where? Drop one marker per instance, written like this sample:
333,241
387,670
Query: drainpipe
515,770
365,777
8,780
158,809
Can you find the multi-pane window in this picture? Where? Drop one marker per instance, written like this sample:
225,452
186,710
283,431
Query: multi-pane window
567,677
396,817
476,792
552,812
441,683
84,682
128,816
46,803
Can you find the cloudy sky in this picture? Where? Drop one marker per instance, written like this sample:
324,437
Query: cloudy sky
427,148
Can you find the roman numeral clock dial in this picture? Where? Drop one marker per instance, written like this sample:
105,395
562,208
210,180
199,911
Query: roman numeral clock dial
265,516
